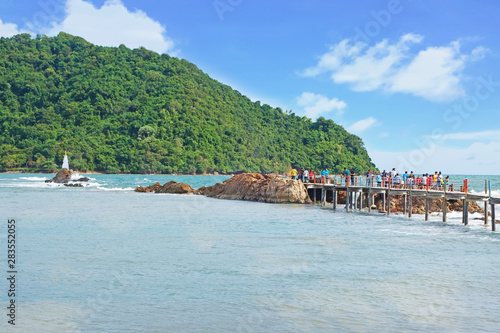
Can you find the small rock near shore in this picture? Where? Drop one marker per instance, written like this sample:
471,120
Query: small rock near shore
169,187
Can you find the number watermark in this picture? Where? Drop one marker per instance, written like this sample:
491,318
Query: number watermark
11,271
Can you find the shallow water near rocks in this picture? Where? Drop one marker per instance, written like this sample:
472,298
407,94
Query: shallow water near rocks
106,259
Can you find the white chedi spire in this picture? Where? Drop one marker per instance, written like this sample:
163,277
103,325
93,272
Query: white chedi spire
65,164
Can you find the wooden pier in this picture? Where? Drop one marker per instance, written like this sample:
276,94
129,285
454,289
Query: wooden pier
357,191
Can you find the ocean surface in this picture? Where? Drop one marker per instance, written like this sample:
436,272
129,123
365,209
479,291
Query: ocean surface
106,259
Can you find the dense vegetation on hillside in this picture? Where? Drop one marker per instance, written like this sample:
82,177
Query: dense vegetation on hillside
121,110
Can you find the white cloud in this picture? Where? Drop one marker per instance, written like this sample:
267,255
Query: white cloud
433,73
113,24
316,104
362,125
477,158
8,29
491,135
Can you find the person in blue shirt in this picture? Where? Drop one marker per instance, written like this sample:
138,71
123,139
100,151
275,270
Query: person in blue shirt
405,177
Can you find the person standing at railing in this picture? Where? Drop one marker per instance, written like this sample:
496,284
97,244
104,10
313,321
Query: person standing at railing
419,182
305,175
346,174
379,179
405,177
429,181
293,173
397,181
446,182
435,180
353,174
369,175
393,173
409,182
311,175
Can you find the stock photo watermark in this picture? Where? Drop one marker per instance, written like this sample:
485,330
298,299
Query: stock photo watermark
48,13
119,283
11,271
453,116
381,19
223,6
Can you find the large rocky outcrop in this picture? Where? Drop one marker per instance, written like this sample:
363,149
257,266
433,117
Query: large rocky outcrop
64,176
169,187
258,187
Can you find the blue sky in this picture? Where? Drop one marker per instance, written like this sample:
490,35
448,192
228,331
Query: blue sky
418,81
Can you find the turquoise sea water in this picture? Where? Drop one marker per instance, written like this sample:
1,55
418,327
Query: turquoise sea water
106,259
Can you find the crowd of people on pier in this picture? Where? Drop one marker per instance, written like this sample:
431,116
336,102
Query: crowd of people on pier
434,181
308,175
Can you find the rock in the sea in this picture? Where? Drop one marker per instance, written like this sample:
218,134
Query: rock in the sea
169,187
74,185
258,187
64,176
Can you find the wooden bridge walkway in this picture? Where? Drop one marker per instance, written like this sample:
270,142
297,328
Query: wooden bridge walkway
358,190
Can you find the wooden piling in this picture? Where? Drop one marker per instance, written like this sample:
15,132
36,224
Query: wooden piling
493,221
486,213
323,197
465,212
383,200
370,202
409,205
405,202
334,199
347,194
426,208
361,201
314,195
486,186
445,209
388,203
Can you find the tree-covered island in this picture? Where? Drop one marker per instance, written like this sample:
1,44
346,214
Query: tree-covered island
118,110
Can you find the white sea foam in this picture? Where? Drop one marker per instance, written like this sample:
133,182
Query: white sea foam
75,176
33,178
494,193
115,188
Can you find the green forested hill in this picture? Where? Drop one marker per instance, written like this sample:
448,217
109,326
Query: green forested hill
121,110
